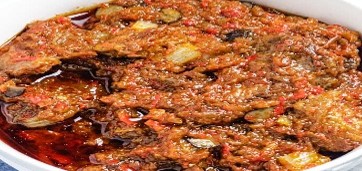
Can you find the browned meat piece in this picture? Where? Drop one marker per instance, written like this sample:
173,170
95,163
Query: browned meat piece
136,75
42,45
205,111
50,101
222,147
332,120
3,77
163,117
148,40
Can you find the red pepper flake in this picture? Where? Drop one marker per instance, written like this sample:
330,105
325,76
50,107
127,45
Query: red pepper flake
355,95
300,94
251,58
231,12
62,20
148,2
125,167
317,90
280,109
213,31
229,26
60,106
112,161
189,22
155,125
125,119
226,150
114,30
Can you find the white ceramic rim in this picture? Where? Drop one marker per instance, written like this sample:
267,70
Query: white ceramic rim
314,9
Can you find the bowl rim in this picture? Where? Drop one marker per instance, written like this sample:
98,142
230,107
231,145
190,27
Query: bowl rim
22,162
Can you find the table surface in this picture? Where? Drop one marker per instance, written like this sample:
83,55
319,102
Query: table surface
5,167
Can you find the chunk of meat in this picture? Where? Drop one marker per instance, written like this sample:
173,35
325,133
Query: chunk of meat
135,75
51,101
180,105
42,45
332,119
232,147
3,77
157,43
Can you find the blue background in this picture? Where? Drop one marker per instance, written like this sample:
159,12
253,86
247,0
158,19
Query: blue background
5,167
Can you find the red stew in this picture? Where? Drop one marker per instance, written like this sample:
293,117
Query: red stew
182,85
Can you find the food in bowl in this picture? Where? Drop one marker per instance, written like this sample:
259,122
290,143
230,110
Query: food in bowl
182,85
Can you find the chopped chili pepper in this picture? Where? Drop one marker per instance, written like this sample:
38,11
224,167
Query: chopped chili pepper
125,167
189,22
125,119
62,20
280,109
213,31
226,150
231,12
148,2
251,58
317,90
299,94
155,125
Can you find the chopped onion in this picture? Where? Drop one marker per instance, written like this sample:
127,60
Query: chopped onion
302,160
259,115
183,54
142,25
106,11
201,143
284,120
169,15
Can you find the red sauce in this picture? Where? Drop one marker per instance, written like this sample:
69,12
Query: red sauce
65,144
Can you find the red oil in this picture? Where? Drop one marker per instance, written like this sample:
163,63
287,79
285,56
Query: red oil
67,144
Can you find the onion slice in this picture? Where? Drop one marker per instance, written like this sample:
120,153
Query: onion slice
201,143
183,54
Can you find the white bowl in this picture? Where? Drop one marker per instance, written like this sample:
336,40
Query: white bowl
15,14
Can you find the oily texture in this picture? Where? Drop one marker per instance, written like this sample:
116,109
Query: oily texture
189,85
